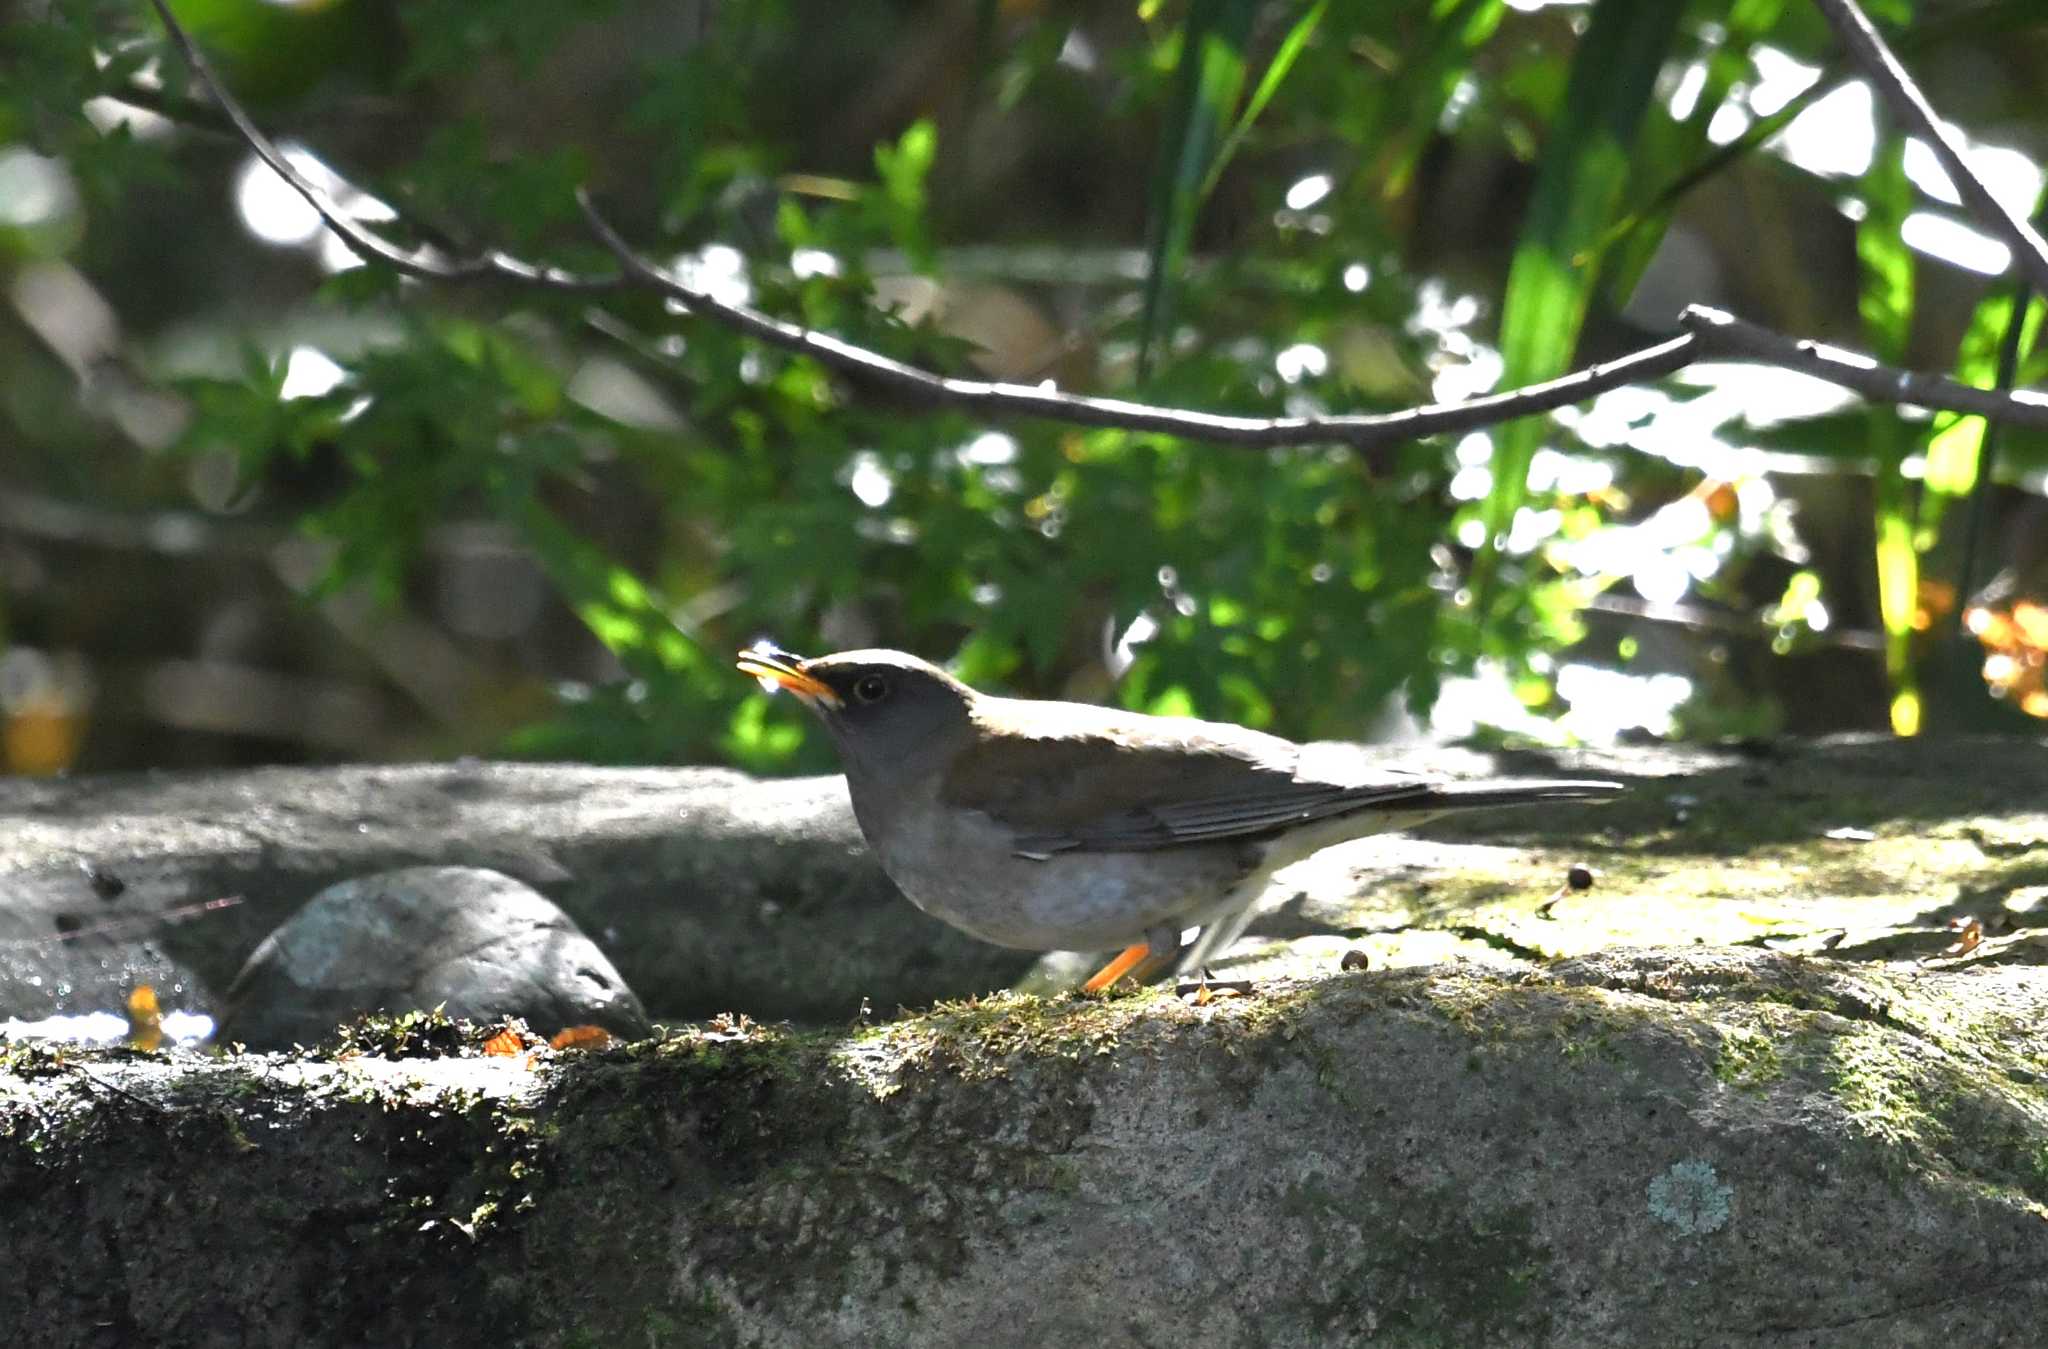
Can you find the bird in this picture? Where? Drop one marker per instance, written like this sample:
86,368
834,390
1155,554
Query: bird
1045,826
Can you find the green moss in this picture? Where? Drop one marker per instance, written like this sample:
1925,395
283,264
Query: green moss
1746,1058
32,1058
415,1034
1941,1114
980,1037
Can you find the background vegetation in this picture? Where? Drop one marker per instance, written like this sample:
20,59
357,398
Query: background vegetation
259,503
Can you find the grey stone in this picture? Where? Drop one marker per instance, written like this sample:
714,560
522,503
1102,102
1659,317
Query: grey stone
710,890
478,944
713,891
1660,1147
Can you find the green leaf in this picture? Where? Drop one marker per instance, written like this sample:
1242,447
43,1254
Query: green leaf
1992,354
903,169
1885,296
1209,76
1283,60
1729,65
1427,81
1579,183
1885,303
613,603
1953,452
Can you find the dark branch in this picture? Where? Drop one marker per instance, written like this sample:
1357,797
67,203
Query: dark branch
1722,332
1910,106
188,113
1363,431
1706,330
425,263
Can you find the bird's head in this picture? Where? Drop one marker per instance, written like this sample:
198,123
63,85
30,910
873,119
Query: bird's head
886,710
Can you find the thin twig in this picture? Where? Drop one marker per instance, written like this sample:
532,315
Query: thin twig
1910,106
1724,333
425,263
1700,619
121,927
1040,401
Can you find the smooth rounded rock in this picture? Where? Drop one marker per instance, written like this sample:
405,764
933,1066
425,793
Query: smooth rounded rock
478,943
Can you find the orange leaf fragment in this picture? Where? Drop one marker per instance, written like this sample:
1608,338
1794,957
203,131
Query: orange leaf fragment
505,1044
1969,932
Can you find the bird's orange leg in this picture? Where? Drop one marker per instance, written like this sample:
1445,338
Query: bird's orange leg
1130,959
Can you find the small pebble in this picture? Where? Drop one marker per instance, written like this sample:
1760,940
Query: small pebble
104,883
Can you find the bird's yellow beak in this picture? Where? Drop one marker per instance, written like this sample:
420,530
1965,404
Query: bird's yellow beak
781,670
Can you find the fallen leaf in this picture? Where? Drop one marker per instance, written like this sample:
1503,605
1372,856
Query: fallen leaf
1969,932
145,1019
504,1044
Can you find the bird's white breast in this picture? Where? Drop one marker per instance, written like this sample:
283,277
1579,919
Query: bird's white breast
960,866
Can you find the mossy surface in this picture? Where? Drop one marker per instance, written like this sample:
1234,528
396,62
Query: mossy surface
1444,1156
1858,850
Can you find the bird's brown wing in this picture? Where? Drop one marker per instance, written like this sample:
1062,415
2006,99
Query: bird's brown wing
1122,784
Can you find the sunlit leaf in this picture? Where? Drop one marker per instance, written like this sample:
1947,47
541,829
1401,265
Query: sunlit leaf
903,169
1580,178
613,603
1885,302
1269,84
1954,453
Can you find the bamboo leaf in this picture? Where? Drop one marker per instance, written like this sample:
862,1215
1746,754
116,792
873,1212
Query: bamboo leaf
1580,178
1269,84
1749,21
1209,77
1885,303
1427,81
1953,453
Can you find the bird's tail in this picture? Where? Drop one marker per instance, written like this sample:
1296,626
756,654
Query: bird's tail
1519,792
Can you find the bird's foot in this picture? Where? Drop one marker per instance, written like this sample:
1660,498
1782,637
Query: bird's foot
1141,961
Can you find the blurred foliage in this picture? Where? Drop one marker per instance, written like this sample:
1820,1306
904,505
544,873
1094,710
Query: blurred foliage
1350,208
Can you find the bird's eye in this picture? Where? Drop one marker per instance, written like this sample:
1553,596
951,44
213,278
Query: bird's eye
871,688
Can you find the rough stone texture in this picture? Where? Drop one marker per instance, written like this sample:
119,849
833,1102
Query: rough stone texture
473,942
1860,847
708,889
711,891
1670,1147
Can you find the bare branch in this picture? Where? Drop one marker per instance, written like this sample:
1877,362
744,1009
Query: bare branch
189,113
426,263
1723,332
1700,618
1706,329
1364,431
1910,106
